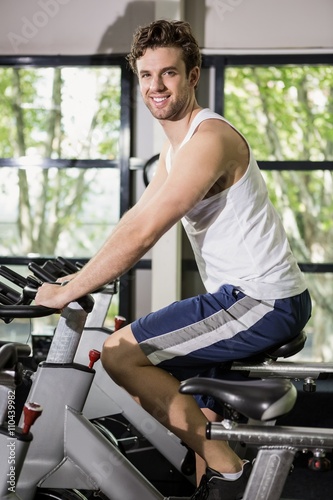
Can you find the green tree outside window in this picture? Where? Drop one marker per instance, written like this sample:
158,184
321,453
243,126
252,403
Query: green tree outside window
286,113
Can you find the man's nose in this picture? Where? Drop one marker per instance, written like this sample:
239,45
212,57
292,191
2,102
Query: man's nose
157,83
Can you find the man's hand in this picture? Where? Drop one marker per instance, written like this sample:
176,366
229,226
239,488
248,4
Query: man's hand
52,295
67,278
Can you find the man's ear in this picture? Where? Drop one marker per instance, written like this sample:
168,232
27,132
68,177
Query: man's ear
194,76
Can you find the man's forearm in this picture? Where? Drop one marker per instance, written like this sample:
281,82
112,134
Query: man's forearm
124,247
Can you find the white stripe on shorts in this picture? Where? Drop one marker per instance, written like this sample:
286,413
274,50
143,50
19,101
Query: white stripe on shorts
224,324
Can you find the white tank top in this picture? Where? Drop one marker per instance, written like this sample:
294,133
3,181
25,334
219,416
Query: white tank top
238,238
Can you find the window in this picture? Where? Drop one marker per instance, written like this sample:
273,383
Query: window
284,107
64,153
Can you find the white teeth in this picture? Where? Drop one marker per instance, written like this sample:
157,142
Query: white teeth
159,99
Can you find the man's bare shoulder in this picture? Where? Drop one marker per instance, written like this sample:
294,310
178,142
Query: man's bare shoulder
225,150
219,128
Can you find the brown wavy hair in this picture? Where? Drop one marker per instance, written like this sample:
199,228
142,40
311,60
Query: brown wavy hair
164,33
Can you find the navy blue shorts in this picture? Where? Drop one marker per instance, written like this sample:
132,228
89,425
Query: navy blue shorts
194,336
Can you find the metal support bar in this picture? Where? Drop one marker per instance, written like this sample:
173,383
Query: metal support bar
259,435
269,474
104,462
283,369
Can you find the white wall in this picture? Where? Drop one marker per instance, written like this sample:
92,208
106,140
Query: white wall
70,26
105,26
265,24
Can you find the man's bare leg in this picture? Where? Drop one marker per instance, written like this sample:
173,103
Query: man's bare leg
200,463
158,393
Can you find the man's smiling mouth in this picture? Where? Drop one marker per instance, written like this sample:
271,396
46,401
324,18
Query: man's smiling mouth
159,99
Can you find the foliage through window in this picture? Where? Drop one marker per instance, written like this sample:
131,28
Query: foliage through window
60,165
58,113
286,113
61,112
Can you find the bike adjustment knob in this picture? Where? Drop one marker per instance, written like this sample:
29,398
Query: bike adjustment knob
309,385
119,321
94,356
31,412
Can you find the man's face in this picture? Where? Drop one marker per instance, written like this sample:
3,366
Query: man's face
165,88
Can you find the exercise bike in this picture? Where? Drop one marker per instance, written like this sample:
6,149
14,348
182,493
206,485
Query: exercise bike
261,401
162,497
107,401
68,451
14,441
273,364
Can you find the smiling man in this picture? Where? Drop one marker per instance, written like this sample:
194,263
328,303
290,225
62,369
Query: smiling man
256,295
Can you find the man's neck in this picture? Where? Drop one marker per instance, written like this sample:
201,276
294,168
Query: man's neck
176,130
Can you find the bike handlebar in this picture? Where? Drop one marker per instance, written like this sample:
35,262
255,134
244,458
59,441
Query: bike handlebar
86,302
67,266
17,305
8,312
13,277
63,267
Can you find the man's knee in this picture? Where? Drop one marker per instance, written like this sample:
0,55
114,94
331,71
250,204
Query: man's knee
107,356
119,353
112,359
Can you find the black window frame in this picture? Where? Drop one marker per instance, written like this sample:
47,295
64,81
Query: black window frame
219,63
125,146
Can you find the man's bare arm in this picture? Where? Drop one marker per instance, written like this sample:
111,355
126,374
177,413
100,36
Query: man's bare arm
196,167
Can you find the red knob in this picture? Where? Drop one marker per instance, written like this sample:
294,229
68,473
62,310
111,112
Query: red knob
119,321
31,412
94,356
